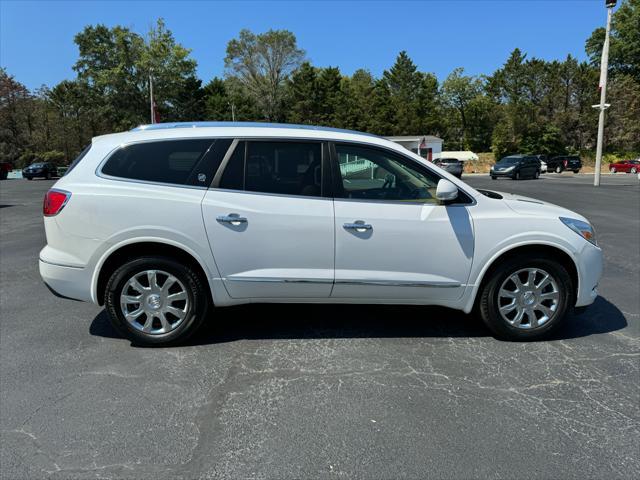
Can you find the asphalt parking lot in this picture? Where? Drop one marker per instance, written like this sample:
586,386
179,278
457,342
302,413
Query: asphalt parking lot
272,391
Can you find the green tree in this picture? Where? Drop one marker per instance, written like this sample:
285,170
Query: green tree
355,108
262,64
303,95
116,64
14,135
406,99
623,117
624,42
458,92
328,95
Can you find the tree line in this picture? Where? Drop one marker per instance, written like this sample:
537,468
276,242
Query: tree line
528,105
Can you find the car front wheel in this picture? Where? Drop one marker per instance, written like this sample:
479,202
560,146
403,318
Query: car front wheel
634,170
525,299
156,301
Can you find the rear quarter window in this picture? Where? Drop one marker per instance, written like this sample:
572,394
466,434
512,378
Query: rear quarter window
181,162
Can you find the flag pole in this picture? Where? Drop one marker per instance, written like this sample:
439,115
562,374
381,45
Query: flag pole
153,115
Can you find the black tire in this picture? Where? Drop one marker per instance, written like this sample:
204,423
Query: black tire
3,175
558,169
537,174
29,178
612,170
488,302
634,170
516,176
576,171
493,178
198,300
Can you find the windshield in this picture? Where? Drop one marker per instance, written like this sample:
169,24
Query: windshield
37,165
509,160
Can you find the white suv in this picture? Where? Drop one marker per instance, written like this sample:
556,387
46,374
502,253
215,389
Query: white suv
161,223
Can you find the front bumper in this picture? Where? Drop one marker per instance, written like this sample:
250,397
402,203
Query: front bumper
499,173
589,263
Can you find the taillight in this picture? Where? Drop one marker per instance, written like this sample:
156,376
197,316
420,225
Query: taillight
54,202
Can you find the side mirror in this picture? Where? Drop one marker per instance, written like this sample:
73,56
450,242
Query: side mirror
446,191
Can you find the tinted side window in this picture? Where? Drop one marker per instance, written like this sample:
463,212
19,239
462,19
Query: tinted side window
170,161
368,173
287,168
203,173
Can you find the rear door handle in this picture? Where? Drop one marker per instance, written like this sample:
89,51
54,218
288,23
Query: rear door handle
232,218
358,226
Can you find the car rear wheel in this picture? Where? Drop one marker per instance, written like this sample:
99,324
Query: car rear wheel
634,170
525,298
156,301
612,169
558,169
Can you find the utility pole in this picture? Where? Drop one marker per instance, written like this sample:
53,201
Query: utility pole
602,106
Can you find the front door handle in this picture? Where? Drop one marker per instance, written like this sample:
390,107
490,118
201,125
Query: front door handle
233,219
358,226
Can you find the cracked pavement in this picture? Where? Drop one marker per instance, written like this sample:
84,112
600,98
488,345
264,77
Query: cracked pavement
330,391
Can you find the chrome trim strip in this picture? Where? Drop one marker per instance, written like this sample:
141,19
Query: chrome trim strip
59,264
280,280
399,283
383,283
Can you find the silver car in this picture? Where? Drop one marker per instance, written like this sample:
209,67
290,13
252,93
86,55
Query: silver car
451,165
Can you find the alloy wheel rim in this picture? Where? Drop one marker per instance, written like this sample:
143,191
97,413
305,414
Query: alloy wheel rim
154,302
528,298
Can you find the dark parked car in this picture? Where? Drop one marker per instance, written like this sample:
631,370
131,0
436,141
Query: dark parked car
451,165
564,162
40,169
626,166
516,167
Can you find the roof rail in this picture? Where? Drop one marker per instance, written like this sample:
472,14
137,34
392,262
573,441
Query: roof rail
162,126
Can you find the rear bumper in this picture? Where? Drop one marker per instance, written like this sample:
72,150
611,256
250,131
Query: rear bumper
65,281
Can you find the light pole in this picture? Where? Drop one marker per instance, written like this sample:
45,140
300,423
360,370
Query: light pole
602,106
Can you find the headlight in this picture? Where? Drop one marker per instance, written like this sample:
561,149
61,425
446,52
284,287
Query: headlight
508,169
583,229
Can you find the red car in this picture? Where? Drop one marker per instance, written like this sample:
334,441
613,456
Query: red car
5,168
627,166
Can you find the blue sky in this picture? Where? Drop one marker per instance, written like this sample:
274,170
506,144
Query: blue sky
36,37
